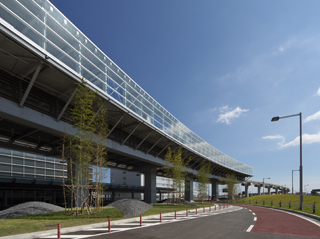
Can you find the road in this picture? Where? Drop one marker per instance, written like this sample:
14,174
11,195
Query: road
234,222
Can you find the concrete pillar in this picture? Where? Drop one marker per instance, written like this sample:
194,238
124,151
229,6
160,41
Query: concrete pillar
113,194
54,197
132,195
189,189
269,190
246,189
5,198
276,190
150,184
259,190
215,189
160,196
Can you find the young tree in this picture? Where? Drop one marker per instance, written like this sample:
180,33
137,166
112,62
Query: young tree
203,179
175,168
85,147
232,185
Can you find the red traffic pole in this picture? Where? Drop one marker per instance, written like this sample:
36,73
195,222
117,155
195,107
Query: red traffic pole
59,233
187,212
160,217
109,224
215,207
224,206
204,210
210,209
227,205
140,220
219,206
196,210
175,214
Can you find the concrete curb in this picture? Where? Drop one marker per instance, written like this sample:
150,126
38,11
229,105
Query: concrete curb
85,227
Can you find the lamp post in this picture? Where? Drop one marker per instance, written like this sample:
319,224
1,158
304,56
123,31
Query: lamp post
292,179
263,183
300,168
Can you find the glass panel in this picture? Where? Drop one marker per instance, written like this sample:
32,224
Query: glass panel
39,171
5,151
5,167
29,170
32,156
5,159
49,165
17,153
17,160
49,172
40,164
17,169
29,162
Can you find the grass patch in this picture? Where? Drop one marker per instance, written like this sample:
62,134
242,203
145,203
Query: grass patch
287,202
34,223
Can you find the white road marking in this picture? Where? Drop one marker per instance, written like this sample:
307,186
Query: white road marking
250,228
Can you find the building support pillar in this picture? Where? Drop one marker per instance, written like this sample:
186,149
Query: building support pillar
214,189
5,198
113,194
188,191
150,185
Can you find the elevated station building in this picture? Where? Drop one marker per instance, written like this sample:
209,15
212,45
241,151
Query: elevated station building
42,56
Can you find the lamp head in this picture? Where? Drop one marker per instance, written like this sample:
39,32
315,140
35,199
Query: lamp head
275,118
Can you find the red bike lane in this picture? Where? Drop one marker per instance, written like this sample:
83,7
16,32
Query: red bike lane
272,221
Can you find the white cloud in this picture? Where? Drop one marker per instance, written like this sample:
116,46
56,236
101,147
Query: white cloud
228,114
315,116
276,137
318,92
306,139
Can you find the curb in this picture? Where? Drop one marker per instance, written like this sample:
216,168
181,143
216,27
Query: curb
83,227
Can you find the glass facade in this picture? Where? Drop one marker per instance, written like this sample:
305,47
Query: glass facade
47,28
25,165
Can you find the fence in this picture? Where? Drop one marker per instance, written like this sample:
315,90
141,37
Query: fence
314,208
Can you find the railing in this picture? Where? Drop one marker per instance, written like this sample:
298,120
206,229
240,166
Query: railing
307,207
49,29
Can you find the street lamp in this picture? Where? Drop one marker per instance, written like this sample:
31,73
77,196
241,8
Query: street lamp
292,179
263,183
300,169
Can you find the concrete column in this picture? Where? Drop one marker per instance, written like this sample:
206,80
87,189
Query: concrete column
150,184
54,197
246,189
5,198
269,190
259,190
113,194
215,189
276,190
189,189
160,196
132,195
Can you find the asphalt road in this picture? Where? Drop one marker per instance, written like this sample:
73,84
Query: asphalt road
235,222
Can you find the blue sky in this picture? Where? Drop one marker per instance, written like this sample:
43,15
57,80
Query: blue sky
224,69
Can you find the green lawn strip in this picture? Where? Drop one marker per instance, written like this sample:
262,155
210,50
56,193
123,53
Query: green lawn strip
274,200
34,223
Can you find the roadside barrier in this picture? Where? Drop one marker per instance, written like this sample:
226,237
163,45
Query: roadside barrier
140,220
109,224
58,227
311,208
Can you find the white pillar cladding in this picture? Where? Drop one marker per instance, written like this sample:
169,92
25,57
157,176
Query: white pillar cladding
189,189
150,184
215,189
246,186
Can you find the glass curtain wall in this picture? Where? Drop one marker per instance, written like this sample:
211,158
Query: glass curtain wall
50,30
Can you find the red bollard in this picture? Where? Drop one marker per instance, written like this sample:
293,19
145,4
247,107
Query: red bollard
215,207
196,210
219,207
109,224
224,206
140,220
187,212
175,214
59,234
160,217
227,205
204,210
210,209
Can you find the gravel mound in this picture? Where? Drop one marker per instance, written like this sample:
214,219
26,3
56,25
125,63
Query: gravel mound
170,200
29,208
131,207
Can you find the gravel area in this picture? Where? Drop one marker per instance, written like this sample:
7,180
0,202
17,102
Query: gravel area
29,208
183,202
131,207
